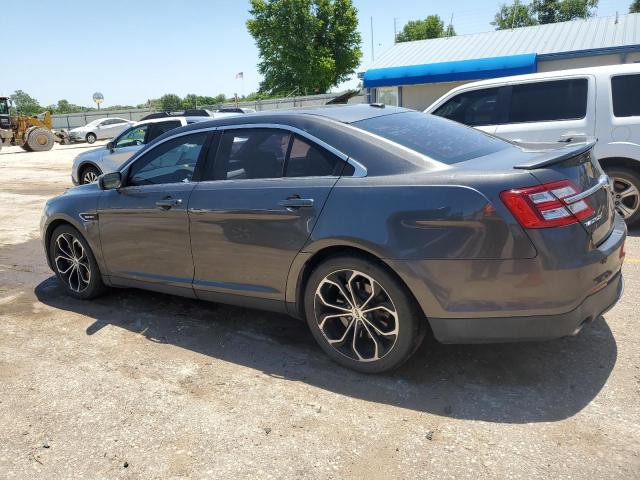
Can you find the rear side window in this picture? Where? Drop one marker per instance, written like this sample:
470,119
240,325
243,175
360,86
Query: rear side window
547,101
432,136
251,153
471,108
307,160
625,90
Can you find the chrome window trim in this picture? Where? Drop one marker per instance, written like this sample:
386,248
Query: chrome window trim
359,170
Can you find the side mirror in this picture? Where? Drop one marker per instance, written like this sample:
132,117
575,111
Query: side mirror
110,181
110,147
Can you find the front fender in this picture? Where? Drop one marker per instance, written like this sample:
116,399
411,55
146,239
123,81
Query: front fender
67,209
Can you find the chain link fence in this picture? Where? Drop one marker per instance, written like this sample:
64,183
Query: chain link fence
73,120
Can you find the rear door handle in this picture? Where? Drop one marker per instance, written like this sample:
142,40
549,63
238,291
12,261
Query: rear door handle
296,202
570,137
167,203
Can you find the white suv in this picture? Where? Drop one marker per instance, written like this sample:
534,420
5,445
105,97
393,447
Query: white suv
89,165
564,107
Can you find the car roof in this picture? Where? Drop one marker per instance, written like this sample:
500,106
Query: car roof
293,116
173,119
602,70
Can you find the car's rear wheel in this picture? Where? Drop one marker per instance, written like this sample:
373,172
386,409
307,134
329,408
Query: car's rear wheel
626,193
74,263
91,138
362,315
90,174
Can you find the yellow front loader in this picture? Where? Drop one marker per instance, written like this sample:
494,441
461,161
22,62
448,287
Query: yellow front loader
33,134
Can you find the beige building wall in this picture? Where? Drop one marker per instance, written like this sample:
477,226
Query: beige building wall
421,96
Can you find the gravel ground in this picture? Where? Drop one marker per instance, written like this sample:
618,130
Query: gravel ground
143,385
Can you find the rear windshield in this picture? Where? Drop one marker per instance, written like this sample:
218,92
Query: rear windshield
439,139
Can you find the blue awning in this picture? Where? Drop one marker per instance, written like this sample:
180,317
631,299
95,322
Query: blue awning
476,69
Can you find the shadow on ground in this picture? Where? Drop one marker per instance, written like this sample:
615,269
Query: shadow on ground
510,383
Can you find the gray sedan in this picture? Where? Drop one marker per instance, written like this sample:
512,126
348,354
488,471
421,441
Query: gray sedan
377,225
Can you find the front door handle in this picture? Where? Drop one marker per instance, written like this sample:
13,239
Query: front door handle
296,202
167,203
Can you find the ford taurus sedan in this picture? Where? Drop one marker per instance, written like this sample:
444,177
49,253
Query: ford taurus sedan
377,225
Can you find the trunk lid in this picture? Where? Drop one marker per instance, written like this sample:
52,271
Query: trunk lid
577,164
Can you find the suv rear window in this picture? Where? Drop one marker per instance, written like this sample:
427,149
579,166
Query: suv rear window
547,101
626,100
439,139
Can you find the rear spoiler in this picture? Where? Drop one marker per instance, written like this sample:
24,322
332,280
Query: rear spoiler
551,156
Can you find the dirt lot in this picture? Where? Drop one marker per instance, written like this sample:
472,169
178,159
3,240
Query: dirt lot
142,385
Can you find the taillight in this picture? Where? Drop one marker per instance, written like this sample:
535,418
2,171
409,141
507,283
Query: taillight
542,206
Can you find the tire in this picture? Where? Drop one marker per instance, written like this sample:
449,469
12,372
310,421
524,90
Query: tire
91,138
626,191
25,147
40,140
75,267
89,174
400,323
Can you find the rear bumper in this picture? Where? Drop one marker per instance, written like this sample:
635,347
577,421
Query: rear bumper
539,327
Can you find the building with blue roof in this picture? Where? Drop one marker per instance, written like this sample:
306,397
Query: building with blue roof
414,74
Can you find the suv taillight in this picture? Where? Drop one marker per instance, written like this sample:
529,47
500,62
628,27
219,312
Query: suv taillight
542,206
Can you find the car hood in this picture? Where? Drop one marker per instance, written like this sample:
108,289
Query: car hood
92,155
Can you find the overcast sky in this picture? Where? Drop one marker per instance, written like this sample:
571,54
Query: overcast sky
133,50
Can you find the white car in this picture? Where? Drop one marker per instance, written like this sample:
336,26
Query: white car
563,107
99,129
88,166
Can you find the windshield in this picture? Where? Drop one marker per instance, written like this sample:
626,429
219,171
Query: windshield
442,140
4,107
94,123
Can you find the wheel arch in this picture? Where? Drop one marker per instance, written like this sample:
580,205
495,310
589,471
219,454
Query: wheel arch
84,165
91,133
50,228
623,162
303,272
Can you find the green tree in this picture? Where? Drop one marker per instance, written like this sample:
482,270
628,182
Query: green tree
430,27
305,45
634,7
170,102
514,16
25,103
553,11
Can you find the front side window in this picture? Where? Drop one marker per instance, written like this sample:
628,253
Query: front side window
251,153
547,101
132,137
173,161
625,90
438,139
474,108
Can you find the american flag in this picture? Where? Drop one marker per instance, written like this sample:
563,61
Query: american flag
239,75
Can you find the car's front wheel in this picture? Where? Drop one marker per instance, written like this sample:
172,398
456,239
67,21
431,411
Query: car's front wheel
361,315
89,175
74,263
91,138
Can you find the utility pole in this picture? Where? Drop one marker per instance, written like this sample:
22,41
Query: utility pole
450,25
373,57
395,30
